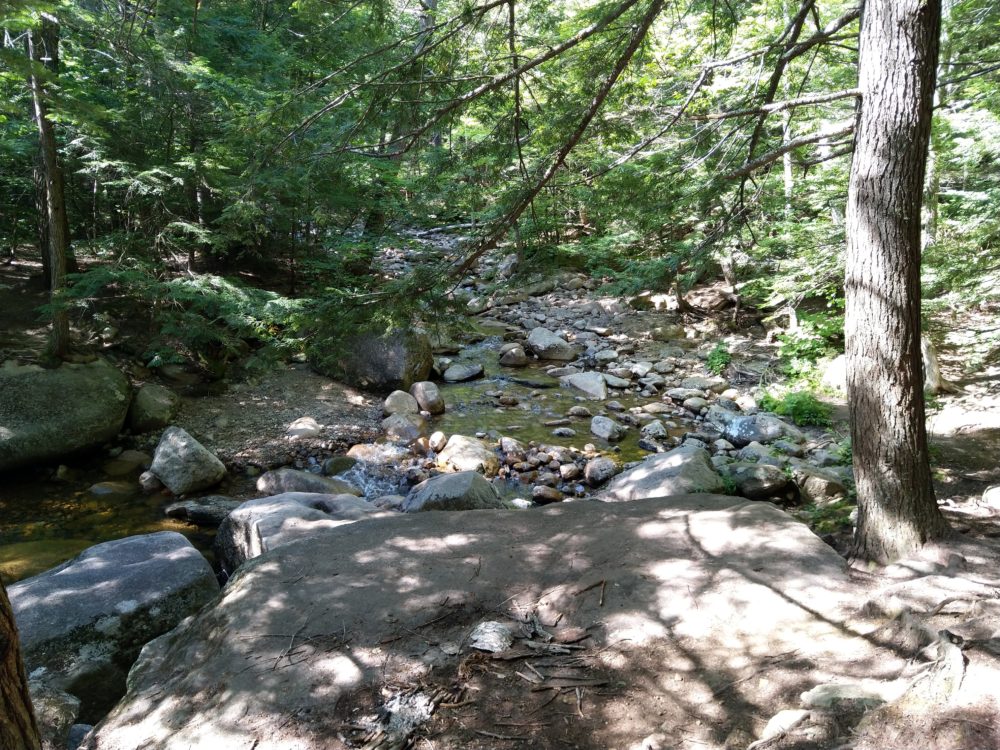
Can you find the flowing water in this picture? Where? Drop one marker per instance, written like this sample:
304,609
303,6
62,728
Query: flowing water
46,519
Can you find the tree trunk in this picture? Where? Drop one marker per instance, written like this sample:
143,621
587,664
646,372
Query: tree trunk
55,202
897,511
18,729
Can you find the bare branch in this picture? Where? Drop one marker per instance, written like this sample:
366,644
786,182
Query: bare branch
771,156
773,107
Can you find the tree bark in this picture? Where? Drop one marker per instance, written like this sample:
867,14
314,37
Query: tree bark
55,202
897,510
18,729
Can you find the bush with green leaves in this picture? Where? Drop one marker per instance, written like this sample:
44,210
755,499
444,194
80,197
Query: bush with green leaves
802,407
718,359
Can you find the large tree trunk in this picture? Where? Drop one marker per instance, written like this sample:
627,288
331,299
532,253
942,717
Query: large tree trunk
897,509
55,202
18,730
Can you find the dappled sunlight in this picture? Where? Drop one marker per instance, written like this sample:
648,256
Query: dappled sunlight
432,545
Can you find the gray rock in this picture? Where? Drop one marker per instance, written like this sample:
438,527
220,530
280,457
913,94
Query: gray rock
153,408
681,471
185,465
85,621
304,427
818,486
607,429
655,430
465,490
743,430
614,381
380,362
592,384
203,511
469,454
338,464
459,373
428,396
514,357
400,402
266,523
757,481
55,711
292,480
599,470
404,428
548,345
714,384
683,394
46,414
695,404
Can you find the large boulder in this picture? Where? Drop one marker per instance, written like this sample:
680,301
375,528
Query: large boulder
469,454
292,480
548,345
83,623
47,414
681,471
697,586
185,465
153,408
376,362
466,490
266,523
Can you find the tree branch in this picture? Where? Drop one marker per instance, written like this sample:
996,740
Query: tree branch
771,156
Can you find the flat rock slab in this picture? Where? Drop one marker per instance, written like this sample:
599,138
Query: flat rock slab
83,623
698,608
681,471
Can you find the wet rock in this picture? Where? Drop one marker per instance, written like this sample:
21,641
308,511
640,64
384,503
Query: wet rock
266,523
607,429
544,494
592,384
469,454
599,470
185,465
126,463
515,356
153,407
548,345
682,471
695,405
113,491
564,432
149,482
579,411
338,465
655,430
203,511
428,396
404,428
47,414
465,490
400,402
459,373
292,480
85,621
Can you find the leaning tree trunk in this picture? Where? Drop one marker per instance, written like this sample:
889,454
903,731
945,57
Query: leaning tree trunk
18,729
897,509
55,201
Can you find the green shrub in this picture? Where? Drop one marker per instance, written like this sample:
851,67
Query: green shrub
718,359
802,407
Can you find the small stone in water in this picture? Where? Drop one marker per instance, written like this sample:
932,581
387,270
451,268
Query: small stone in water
564,432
